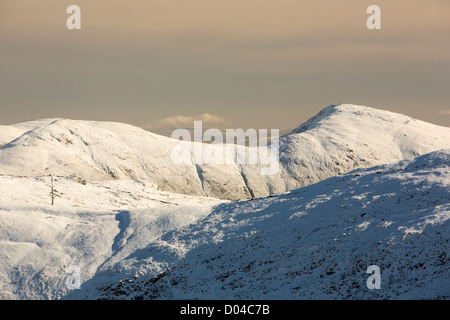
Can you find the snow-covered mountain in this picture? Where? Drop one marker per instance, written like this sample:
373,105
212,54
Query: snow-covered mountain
139,226
132,241
315,242
338,139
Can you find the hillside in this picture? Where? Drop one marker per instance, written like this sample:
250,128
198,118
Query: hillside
339,139
92,226
312,243
138,225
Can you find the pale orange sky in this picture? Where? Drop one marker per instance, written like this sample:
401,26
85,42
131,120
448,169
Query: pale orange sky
259,63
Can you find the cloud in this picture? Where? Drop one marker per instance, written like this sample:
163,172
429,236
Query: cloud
182,121
444,112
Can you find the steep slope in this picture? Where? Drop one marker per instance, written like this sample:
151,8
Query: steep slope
338,139
8,133
312,243
341,138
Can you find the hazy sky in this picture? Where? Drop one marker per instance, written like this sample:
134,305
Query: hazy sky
235,63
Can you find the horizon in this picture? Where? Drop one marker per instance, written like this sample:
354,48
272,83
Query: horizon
167,130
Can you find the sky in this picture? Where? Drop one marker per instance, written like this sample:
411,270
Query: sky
233,64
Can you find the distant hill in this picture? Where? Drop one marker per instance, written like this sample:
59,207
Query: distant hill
338,139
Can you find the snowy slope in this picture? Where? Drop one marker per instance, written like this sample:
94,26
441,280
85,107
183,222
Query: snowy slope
140,226
312,243
338,139
341,138
96,151
91,226
8,133
130,240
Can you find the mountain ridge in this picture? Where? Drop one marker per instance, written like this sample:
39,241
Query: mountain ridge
315,242
338,139
356,187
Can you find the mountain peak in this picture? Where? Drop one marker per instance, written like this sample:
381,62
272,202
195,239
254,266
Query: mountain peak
351,112
313,121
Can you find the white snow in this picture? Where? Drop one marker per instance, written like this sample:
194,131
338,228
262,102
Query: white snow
311,243
339,139
9,133
91,225
139,226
